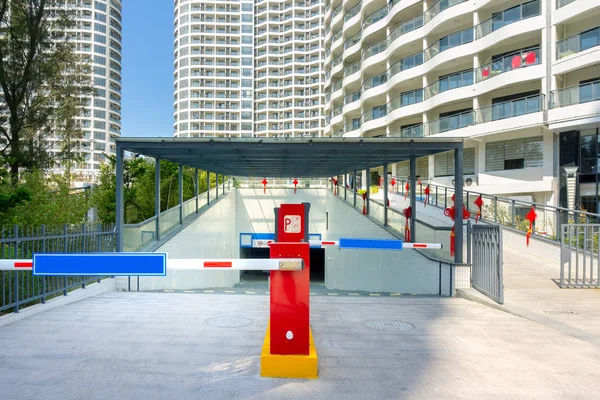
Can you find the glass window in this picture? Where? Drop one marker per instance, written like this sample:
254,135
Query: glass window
589,39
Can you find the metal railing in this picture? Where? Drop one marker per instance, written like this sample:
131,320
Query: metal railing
580,256
277,183
578,42
579,94
21,288
505,211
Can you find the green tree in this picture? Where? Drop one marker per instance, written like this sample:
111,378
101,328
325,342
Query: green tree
34,48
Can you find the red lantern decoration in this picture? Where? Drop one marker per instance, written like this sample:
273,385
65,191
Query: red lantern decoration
364,196
479,203
427,191
407,214
295,184
406,190
531,216
450,212
264,182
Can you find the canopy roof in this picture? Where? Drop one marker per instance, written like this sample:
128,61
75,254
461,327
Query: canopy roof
286,157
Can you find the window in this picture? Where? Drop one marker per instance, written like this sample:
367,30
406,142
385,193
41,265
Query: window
412,97
455,120
589,90
411,61
379,111
515,105
444,163
456,80
456,39
589,39
514,154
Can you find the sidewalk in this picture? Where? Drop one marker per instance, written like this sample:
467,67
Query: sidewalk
530,290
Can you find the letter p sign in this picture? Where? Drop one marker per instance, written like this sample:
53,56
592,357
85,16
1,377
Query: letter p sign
292,224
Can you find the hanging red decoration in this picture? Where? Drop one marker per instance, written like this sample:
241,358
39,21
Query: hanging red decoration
364,196
531,216
295,184
406,190
427,191
264,182
335,183
393,184
479,203
407,214
450,212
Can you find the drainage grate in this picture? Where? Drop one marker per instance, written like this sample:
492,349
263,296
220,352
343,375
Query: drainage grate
560,313
229,322
389,326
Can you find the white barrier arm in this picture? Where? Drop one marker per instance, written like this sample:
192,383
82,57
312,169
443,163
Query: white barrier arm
18,265
245,264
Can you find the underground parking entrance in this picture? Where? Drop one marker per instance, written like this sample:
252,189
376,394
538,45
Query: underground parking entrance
248,278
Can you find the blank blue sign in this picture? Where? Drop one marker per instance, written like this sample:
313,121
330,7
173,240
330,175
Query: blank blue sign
370,244
100,264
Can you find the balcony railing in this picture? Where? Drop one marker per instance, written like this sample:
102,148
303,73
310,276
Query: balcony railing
448,42
440,6
520,59
578,42
509,16
510,109
562,3
583,93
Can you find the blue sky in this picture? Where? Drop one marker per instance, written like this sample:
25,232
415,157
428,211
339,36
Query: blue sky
147,76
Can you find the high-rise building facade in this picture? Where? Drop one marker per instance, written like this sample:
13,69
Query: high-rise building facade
98,39
518,80
248,69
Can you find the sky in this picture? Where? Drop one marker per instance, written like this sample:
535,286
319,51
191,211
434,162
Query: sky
147,75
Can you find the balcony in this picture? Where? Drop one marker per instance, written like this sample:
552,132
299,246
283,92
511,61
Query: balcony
520,59
574,106
578,43
509,16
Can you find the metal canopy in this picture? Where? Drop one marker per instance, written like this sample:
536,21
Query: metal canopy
286,158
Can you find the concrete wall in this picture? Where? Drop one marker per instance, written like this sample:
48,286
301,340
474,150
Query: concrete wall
212,235
379,271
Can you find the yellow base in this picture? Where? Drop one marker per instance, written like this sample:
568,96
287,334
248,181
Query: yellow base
288,366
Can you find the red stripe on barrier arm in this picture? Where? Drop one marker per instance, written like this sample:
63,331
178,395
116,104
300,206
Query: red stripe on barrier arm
419,246
330,243
217,264
24,265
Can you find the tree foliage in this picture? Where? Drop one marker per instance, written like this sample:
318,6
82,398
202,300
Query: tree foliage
139,188
40,77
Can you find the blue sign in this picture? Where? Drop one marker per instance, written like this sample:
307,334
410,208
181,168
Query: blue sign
100,264
370,244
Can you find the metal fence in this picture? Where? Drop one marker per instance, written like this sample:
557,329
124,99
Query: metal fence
507,212
580,255
278,183
487,269
19,288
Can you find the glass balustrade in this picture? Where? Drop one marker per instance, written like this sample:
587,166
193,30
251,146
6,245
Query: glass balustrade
440,6
352,12
562,3
407,26
509,16
352,69
520,59
451,122
577,43
447,42
510,109
583,93
449,82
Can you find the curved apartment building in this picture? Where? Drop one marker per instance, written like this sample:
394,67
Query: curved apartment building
248,69
288,68
518,80
98,38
